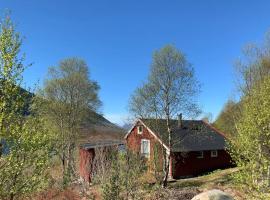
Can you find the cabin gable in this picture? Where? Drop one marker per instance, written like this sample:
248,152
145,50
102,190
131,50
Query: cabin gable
137,137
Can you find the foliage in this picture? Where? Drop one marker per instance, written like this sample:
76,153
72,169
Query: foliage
23,168
171,88
132,166
249,119
69,97
111,189
123,181
254,66
226,120
252,146
101,165
157,165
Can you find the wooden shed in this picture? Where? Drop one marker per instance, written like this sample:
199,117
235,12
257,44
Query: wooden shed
87,154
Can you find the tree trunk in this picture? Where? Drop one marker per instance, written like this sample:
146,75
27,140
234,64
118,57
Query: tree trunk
11,196
167,155
63,164
165,179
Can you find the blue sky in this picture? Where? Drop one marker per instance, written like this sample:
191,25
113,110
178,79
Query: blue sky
117,40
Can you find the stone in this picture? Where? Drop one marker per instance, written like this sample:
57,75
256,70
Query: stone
213,195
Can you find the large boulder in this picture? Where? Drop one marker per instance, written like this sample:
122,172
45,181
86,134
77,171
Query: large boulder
213,195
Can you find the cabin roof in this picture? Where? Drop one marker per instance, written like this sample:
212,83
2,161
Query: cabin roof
104,143
192,135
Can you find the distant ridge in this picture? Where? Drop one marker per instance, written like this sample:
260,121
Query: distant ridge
95,127
127,126
98,128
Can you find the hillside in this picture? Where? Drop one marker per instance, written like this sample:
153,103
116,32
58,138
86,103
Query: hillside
219,179
96,127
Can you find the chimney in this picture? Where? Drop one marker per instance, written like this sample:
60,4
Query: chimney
180,120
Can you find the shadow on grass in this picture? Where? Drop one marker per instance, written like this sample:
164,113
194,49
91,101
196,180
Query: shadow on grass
218,177
187,184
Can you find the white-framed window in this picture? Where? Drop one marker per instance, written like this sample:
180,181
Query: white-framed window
214,153
140,129
145,148
200,154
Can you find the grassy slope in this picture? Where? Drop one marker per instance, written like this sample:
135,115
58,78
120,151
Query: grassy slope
183,189
219,179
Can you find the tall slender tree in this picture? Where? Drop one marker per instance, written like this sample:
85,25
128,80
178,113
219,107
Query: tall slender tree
171,88
250,146
70,95
254,65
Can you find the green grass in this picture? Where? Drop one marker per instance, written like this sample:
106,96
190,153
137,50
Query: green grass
216,178
219,179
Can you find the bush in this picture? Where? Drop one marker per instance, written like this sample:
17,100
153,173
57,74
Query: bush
251,148
123,181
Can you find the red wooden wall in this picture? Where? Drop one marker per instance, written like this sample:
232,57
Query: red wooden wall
86,158
190,165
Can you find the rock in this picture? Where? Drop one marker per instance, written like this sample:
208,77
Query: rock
213,195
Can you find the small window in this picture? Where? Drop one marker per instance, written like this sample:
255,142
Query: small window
140,129
200,154
214,153
145,148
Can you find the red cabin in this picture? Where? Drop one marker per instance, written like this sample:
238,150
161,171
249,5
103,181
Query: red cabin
197,147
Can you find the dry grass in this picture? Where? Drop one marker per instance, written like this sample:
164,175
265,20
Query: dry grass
220,179
56,194
183,189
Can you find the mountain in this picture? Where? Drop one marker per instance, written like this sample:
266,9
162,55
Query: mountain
94,127
127,126
97,128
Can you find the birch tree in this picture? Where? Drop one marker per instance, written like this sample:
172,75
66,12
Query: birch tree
70,95
25,162
171,88
228,117
250,146
253,66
